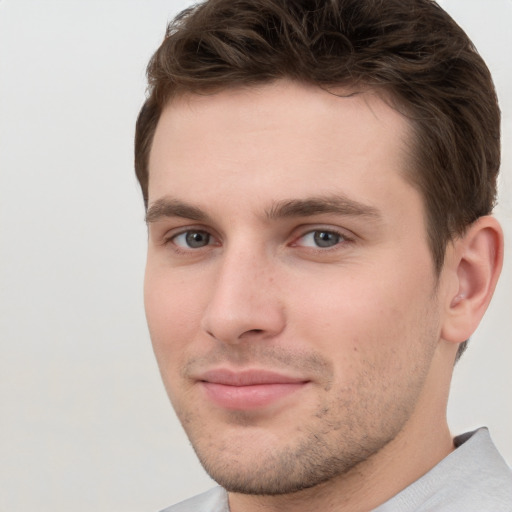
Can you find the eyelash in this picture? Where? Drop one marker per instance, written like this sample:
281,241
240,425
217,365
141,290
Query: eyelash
170,240
192,231
341,236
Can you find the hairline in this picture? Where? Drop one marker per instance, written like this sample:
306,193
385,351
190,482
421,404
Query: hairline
409,171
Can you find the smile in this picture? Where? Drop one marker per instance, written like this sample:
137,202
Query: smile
248,390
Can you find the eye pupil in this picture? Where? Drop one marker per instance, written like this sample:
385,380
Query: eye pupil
196,239
326,238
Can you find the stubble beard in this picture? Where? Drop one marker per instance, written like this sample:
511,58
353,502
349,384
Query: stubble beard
290,470
329,444
320,445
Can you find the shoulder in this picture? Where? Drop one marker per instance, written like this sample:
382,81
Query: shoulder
473,478
482,480
214,500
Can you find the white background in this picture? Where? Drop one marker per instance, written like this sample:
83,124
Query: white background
85,424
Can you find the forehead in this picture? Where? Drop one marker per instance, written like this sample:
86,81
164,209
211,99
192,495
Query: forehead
277,140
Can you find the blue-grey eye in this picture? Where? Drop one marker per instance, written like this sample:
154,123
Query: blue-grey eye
326,238
320,238
192,239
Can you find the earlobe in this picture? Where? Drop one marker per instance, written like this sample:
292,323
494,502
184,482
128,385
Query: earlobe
476,261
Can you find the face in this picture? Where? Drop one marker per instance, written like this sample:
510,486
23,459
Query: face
289,291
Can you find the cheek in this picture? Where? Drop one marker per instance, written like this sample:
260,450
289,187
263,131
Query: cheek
173,315
374,311
173,318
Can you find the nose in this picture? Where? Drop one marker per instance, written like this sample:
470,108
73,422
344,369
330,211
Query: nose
244,304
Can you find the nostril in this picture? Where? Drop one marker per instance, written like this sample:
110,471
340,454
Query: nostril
252,332
249,332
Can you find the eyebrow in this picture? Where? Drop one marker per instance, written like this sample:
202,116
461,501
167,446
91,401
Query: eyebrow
169,207
336,204
333,204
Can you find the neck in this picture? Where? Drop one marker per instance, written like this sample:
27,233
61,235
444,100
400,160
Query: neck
421,444
366,486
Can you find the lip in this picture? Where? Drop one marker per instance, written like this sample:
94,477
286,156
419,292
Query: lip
249,389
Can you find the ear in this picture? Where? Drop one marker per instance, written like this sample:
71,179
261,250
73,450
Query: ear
474,262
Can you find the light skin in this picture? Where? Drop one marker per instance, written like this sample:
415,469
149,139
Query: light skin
302,333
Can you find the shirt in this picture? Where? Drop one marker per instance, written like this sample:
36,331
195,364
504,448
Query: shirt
473,478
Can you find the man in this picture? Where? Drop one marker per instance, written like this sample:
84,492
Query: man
319,178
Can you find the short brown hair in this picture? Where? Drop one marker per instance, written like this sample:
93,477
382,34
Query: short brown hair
411,49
